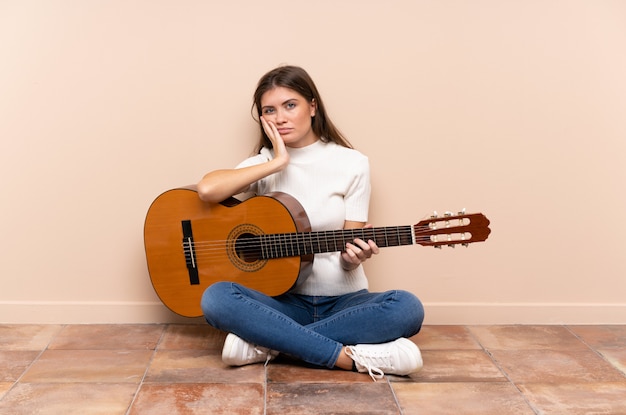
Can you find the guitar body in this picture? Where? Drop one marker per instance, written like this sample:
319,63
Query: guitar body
191,244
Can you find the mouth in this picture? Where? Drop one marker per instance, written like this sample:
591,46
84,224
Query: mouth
283,131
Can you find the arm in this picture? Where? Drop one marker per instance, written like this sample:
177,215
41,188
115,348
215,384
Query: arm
219,185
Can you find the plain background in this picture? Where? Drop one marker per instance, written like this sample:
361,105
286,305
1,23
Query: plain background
511,108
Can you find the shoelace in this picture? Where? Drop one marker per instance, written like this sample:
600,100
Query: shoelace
267,358
269,355
367,362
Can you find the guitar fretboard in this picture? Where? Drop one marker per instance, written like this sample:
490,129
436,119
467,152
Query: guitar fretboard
305,243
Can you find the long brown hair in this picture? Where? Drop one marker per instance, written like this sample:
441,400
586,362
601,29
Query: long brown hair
297,79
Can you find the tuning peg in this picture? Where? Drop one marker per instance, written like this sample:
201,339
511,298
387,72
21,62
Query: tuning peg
434,215
447,214
452,245
437,246
465,244
462,212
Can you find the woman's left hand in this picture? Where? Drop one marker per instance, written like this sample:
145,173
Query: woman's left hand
358,252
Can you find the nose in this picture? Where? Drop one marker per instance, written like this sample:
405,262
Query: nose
280,116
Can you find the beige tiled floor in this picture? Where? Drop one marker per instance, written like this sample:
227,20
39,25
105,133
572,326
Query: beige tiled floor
176,369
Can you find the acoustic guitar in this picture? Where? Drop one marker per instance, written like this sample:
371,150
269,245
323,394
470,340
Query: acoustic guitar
264,243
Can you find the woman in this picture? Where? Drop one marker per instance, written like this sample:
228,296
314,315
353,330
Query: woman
330,319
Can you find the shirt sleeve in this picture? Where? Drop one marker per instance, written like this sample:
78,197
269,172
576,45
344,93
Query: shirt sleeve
357,196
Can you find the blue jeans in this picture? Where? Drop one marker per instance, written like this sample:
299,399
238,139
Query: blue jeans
312,329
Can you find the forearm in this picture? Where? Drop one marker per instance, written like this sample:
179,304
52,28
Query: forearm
219,185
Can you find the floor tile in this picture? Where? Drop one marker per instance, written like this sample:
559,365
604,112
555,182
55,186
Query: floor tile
526,338
13,363
192,336
68,399
177,369
27,336
65,366
288,371
461,399
190,399
4,388
546,366
445,338
457,366
198,366
330,398
606,337
577,399
108,337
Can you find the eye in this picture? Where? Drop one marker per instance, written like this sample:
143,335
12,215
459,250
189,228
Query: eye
268,110
290,105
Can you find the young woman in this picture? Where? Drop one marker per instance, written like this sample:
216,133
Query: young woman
330,319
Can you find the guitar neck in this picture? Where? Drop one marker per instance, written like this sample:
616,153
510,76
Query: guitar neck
306,243
449,230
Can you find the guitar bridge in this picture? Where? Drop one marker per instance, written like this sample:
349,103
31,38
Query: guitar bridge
190,253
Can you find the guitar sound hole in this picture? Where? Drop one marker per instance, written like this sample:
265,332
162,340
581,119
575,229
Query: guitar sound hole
247,247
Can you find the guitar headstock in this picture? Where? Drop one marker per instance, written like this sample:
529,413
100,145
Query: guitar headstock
451,230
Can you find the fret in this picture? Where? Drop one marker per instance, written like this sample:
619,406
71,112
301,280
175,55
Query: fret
293,245
327,241
312,243
287,244
275,246
301,246
262,246
338,240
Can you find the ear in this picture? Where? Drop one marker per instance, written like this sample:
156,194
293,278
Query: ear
313,107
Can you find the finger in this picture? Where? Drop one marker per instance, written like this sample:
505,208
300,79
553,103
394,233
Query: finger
374,248
351,256
267,127
359,253
361,244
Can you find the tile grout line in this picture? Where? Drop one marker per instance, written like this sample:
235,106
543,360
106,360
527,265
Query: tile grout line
504,373
145,373
265,386
17,381
395,397
593,349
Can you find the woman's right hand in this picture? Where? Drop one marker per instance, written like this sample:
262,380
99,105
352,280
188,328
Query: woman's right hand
280,151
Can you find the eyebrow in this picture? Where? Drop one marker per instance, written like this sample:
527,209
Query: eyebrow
285,102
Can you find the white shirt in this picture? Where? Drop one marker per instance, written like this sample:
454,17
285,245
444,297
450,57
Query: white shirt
332,183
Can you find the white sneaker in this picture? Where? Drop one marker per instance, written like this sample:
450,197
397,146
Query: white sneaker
238,352
399,357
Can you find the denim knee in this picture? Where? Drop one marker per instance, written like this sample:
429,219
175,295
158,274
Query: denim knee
413,310
213,301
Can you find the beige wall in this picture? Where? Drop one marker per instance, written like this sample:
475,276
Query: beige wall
513,108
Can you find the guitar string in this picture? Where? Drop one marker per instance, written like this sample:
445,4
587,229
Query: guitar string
403,230
289,237
281,243
310,237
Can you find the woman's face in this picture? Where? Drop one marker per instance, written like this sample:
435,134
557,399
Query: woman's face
291,113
